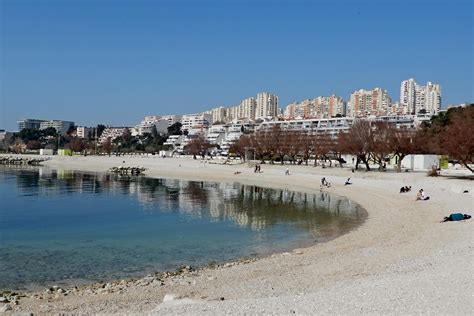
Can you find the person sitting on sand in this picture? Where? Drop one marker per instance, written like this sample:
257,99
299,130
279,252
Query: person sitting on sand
348,181
454,217
421,195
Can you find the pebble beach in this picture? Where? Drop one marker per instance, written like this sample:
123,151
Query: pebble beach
402,260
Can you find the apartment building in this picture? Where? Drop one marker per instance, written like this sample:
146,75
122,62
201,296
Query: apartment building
196,121
111,133
320,107
266,105
328,125
29,123
369,102
83,132
420,99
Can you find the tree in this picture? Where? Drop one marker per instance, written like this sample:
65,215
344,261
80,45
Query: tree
154,132
33,145
401,142
100,129
358,141
240,146
307,146
456,139
380,146
175,129
77,145
198,146
107,146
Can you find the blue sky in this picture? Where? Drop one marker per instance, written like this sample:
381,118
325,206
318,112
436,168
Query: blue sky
114,62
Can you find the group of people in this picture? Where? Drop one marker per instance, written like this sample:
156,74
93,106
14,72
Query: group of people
325,183
405,189
258,168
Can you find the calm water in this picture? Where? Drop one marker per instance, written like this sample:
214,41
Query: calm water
64,226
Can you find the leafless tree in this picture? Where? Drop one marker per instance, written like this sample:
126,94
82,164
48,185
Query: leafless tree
456,139
358,142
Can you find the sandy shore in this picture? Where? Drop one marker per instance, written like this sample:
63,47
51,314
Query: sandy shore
401,260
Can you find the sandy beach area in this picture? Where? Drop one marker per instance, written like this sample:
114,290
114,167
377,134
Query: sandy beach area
402,260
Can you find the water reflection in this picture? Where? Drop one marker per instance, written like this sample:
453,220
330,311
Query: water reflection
57,224
248,206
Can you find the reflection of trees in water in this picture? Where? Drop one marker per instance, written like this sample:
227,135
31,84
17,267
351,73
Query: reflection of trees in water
249,206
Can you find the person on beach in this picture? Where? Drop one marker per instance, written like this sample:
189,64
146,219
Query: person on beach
287,172
454,217
324,183
421,195
348,181
405,189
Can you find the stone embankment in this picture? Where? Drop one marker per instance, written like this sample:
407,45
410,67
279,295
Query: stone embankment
11,160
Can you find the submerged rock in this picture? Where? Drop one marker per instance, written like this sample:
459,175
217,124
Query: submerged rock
169,298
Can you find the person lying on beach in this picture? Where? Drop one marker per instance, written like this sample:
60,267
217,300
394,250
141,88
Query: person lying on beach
456,217
237,172
421,195
348,181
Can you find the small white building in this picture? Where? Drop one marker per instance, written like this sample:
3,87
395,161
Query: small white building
420,162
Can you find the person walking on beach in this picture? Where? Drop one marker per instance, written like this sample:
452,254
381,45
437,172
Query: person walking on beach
287,172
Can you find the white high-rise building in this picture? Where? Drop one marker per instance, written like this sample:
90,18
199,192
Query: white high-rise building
416,98
407,94
219,114
267,105
248,107
432,98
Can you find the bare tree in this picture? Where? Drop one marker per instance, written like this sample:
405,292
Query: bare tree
358,142
198,146
401,142
241,146
380,146
307,146
107,146
456,140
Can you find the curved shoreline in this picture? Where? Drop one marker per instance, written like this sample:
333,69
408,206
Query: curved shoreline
389,263
307,242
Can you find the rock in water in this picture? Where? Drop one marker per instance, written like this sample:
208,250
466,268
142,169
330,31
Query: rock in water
169,298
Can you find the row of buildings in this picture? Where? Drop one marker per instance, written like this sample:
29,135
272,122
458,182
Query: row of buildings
264,105
414,99
61,127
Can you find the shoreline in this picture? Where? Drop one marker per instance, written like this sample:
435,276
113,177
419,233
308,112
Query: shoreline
391,246
69,284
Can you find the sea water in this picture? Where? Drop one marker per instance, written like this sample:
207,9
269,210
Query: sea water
64,227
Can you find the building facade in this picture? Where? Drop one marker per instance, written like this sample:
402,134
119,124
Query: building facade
61,127
29,123
364,103
420,99
196,121
266,105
